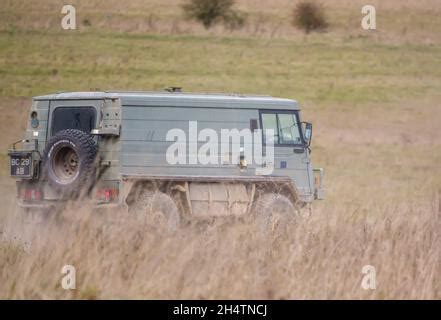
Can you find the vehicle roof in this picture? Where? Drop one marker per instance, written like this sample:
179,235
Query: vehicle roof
178,98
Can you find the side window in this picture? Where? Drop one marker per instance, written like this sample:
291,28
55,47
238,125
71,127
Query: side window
288,130
269,121
81,118
285,126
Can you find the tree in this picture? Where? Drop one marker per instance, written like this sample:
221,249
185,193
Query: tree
210,12
309,16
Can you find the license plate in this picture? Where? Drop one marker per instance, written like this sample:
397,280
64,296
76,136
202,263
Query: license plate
21,165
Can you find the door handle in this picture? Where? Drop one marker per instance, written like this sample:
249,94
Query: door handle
299,150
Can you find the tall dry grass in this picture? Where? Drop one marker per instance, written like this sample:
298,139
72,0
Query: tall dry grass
321,258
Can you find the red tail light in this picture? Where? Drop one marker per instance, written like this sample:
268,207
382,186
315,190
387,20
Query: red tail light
31,194
107,194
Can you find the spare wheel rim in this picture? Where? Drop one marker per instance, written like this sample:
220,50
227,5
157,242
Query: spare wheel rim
66,165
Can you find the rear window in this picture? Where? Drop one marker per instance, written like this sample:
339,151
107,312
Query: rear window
80,118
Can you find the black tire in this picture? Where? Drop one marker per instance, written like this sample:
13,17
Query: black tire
69,161
157,210
275,213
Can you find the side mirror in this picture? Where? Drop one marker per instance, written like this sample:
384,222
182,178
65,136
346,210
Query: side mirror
307,130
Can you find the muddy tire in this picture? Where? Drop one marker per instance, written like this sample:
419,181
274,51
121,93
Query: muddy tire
156,210
275,213
69,161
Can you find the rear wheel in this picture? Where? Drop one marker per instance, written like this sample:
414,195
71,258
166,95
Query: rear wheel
157,210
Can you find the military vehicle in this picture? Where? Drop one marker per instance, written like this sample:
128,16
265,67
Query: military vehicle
170,155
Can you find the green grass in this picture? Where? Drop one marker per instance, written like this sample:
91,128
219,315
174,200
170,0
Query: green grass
353,72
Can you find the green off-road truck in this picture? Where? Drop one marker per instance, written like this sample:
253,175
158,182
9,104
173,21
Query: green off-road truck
179,155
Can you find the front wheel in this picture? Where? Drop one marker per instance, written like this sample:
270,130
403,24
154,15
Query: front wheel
275,213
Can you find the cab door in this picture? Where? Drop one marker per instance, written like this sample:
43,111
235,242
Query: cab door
291,154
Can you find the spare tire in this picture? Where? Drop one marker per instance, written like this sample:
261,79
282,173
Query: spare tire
69,161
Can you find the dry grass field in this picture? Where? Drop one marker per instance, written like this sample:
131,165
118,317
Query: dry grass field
373,97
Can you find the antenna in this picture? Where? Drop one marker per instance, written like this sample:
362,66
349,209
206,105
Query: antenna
173,89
